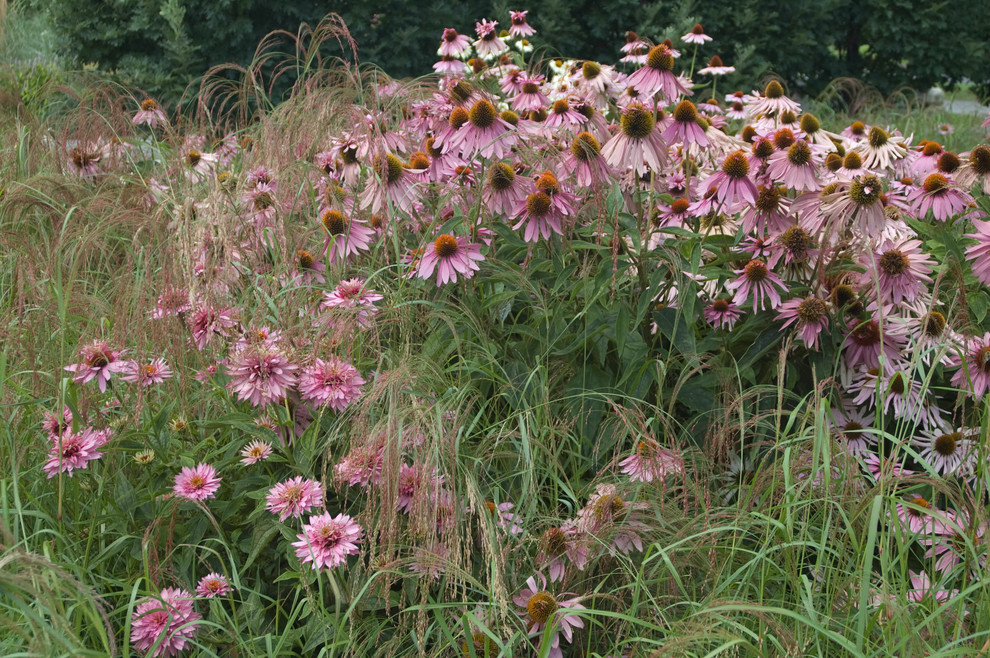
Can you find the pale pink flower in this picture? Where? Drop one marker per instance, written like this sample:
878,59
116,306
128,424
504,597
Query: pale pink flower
638,144
530,96
899,268
449,256
504,517
502,191
608,516
558,543
98,361
453,44
172,303
362,466
208,321
84,160
716,67
685,129
414,482
585,160
732,185
149,115
923,588
854,429
212,585
346,236
334,383
941,195
56,424
168,621
915,514
256,451
723,314
657,76
696,36
540,609
71,450
391,183
979,253
756,281
488,43
294,497
651,462
810,314
946,449
148,374
352,296
889,467
198,483
327,540
519,27
973,375
796,167
260,374
867,339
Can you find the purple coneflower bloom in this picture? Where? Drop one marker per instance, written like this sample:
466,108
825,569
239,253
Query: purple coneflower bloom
638,145
99,362
541,608
168,621
651,462
684,128
558,543
71,450
853,428
197,483
362,466
756,281
941,196
449,256
796,167
327,540
946,449
150,115
810,314
915,514
979,253
346,236
723,314
519,27
488,43
900,270
657,76
148,374
973,375
208,321
352,295
261,374
453,44
334,383
502,192
696,36
255,452
716,67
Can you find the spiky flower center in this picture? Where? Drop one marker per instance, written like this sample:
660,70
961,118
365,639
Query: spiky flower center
797,241
197,481
918,501
541,607
762,148
460,91
554,542
935,184
755,271
878,137
981,359
392,169
680,206
748,134
799,154
948,162
501,176
530,87
736,165
585,147
608,507
774,90
946,444
853,160
660,59
933,324
458,117
538,116
685,112
784,138
843,295
419,160
812,310
865,190
852,427
591,70
305,259
833,162
445,246
509,117
894,262
547,182
431,149
898,384
932,149
697,29
334,222
788,117
638,122
560,107
538,204
737,107
148,105
720,305
193,157
810,123
979,160
858,128
866,334
348,154
483,114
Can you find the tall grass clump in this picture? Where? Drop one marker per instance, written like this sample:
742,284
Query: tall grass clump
527,357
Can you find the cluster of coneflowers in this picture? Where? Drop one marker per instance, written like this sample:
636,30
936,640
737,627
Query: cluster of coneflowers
820,226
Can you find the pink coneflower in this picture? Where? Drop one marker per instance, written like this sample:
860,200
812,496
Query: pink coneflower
362,466
637,145
946,449
174,302
450,66
773,102
769,213
168,621
327,540
430,561
453,44
634,49
923,588
488,43
894,390
346,236
684,128
55,424
732,185
502,192
148,374
208,321
149,115
696,36
879,151
865,339
900,270
674,215
307,270
979,253
352,296
71,450
261,374
530,96
212,585
84,161
584,158
519,27
810,314
955,539
540,609
976,169
927,159
414,482
756,281
294,497
562,115
796,166
973,375
941,196
199,166
716,67
651,462
884,468
859,200
504,516
657,76
558,543
392,182
98,361
856,131
854,429
607,513
334,383
915,514
723,314
485,133
255,452
198,483
449,256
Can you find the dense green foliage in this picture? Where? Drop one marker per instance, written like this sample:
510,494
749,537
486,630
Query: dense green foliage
162,45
